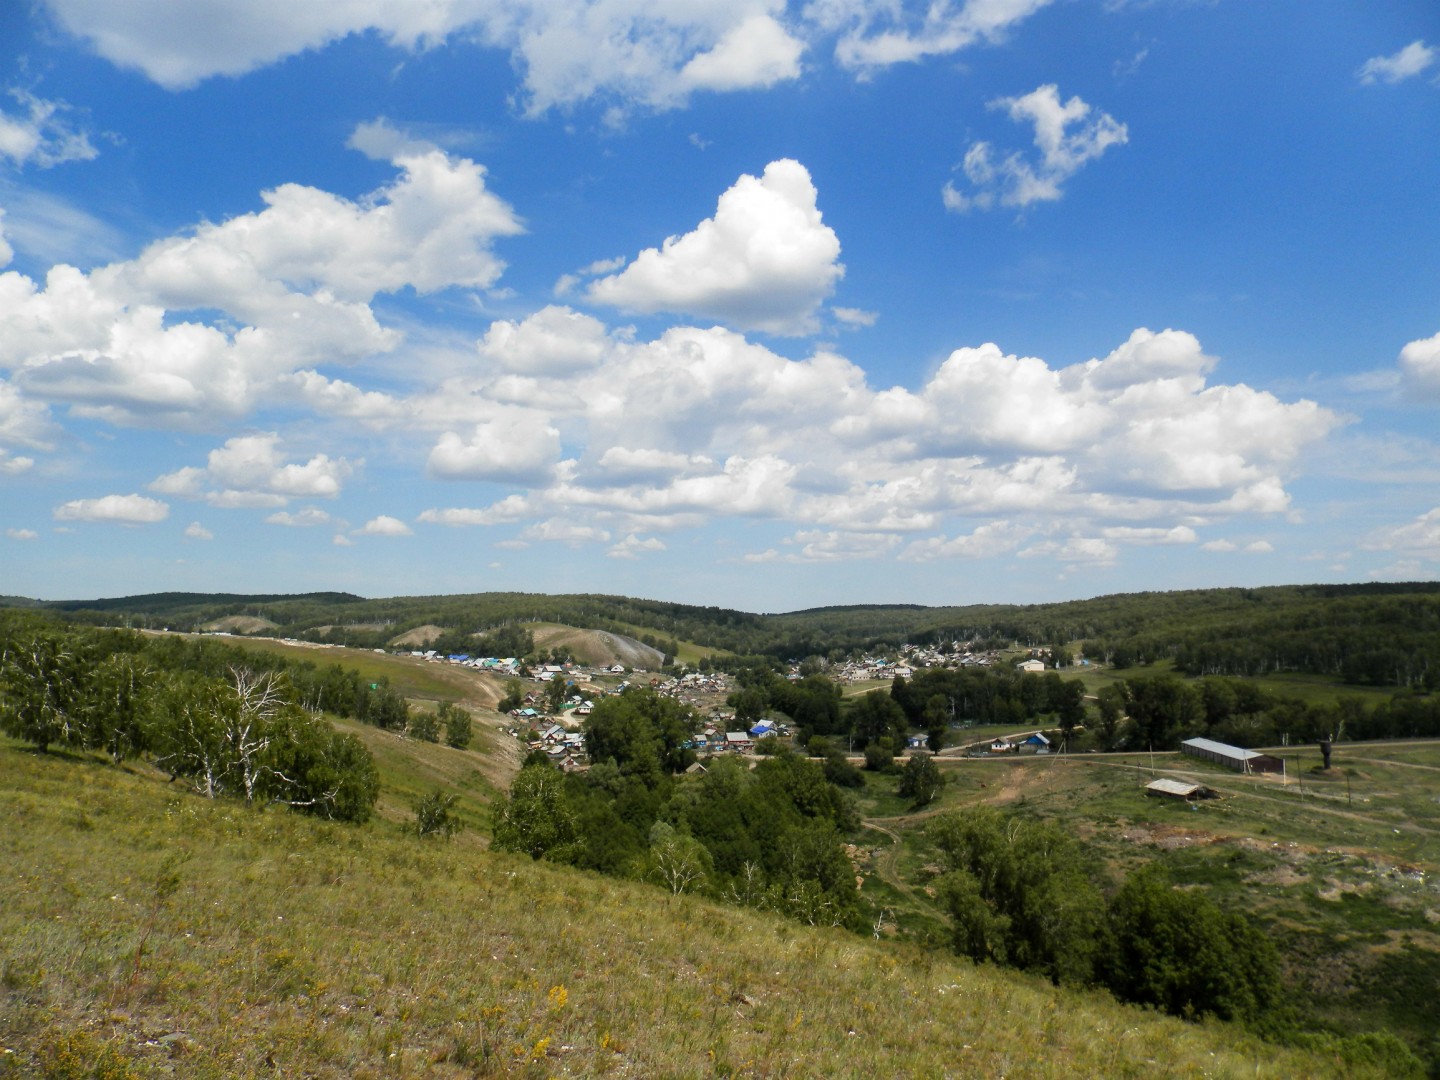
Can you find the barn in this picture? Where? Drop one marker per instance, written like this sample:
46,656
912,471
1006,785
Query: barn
1232,757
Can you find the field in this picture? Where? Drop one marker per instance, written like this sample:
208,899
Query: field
1343,867
147,932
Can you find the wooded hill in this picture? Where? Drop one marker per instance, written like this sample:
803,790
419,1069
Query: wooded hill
1378,634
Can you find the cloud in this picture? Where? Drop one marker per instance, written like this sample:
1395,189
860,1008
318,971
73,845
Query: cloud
308,518
22,534
512,447
873,35
855,317
765,261
196,531
553,341
1420,538
632,547
1075,551
1219,546
52,230
693,425
1420,367
1260,547
646,54
1410,61
1066,137
41,134
985,542
384,525
122,509
292,282
756,52
249,470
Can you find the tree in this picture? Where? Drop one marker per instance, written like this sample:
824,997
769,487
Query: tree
642,732
424,725
878,756
42,679
118,704
678,861
921,779
876,715
1017,893
1112,708
434,816
1176,949
514,697
555,692
459,729
536,818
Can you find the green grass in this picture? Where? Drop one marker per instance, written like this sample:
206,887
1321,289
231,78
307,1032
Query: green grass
147,932
1343,884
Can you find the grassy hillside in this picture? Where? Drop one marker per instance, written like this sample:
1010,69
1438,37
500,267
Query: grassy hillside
147,932
1344,875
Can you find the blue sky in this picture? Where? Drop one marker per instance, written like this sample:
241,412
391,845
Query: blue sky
746,303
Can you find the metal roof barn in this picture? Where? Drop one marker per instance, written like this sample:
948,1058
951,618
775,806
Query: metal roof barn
1232,757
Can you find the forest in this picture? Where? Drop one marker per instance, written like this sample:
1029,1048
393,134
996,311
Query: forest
1378,634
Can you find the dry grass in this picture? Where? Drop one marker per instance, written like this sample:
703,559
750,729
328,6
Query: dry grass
146,932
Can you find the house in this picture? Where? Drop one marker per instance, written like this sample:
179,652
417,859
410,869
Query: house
738,741
763,728
916,742
1001,746
1038,742
1033,666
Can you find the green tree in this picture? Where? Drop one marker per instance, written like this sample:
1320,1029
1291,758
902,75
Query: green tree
424,725
514,697
876,715
537,818
642,732
1177,950
459,728
1017,893
435,815
678,861
920,779
43,700
556,691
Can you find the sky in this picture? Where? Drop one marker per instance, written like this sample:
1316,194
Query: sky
748,303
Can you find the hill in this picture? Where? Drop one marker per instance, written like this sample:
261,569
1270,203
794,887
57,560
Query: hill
597,647
1366,634
147,932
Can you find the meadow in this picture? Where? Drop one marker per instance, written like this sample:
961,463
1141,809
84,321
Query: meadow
145,931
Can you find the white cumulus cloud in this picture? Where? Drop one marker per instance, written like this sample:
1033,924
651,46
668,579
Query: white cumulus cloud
294,282
1420,367
765,261
384,525
249,470
196,531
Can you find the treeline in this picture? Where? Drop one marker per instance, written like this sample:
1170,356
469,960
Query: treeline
226,728
1373,634
769,837
1162,711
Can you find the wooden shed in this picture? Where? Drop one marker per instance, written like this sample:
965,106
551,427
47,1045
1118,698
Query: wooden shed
1178,789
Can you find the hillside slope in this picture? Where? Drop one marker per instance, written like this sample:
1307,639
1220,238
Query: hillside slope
147,932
